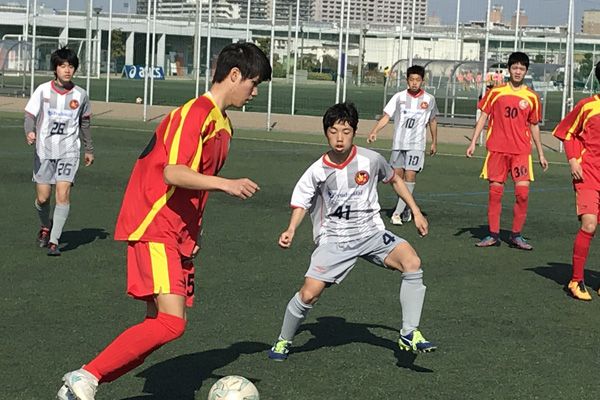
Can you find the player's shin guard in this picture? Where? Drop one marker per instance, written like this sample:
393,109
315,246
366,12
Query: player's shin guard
43,211
520,208
412,296
495,208
581,248
295,312
61,213
132,346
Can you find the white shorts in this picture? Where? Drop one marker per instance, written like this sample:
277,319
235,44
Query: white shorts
331,262
51,171
411,160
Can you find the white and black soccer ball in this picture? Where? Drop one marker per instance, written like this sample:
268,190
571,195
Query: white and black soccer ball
139,100
233,387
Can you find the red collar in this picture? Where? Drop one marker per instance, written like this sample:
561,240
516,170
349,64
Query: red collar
419,93
59,89
342,165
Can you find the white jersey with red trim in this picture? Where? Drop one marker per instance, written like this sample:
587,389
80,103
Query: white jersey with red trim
342,199
411,114
58,113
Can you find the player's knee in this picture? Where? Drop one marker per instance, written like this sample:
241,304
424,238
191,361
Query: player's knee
308,296
42,200
589,226
411,264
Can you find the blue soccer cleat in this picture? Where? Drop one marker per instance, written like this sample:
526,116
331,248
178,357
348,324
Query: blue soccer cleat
488,241
519,242
416,343
280,350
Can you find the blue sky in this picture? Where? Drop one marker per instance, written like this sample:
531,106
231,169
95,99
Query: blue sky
540,12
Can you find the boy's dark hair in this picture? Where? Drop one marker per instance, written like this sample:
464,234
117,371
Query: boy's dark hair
62,55
598,71
341,112
247,57
417,70
520,58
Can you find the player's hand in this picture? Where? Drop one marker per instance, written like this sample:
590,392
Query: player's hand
285,239
243,188
421,223
543,163
371,138
195,251
88,159
433,149
30,138
470,150
576,170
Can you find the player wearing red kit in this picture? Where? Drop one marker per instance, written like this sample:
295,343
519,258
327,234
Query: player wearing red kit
162,212
580,134
514,112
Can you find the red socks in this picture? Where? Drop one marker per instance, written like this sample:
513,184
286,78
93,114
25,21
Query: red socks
495,208
581,248
132,346
520,208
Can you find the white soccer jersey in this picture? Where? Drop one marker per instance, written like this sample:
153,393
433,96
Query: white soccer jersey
58,113
342,199
411,114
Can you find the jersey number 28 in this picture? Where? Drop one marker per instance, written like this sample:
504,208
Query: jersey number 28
58,128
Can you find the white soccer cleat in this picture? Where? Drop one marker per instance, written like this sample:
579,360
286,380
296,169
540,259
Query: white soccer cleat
81,384
396,219
65,394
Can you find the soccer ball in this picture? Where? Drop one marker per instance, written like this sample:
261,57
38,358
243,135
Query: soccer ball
233,388
139,100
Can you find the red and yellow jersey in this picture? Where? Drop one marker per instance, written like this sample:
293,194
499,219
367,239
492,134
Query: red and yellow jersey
580,133
511,112
197,135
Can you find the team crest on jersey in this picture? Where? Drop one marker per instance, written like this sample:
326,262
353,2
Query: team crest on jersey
523,104
424,105
74,104
361,177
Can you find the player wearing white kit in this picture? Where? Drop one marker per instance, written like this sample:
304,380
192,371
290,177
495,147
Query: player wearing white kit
56,116
340,192
412,110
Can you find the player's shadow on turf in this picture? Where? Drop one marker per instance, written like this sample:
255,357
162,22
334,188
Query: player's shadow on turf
70,240
561,273
179,378
336,331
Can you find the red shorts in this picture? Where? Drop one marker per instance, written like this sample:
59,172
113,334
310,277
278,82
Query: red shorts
155,268
497,166
587,201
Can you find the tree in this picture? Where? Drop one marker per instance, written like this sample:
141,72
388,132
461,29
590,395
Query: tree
585,66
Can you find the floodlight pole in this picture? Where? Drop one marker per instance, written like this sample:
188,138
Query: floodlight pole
339,68
109,50
485,57
147,61
295,55
208,40
197,55
412,34
153,54
517,23
271,58
88,46
568,66
456,56
33,34
346,52
400,39
67,22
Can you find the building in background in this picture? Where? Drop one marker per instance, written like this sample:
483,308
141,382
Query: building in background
222,9
591,22
523,19
496,14
369,11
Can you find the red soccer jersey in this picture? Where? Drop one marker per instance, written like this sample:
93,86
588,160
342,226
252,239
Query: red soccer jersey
580,132
197,135
511,112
